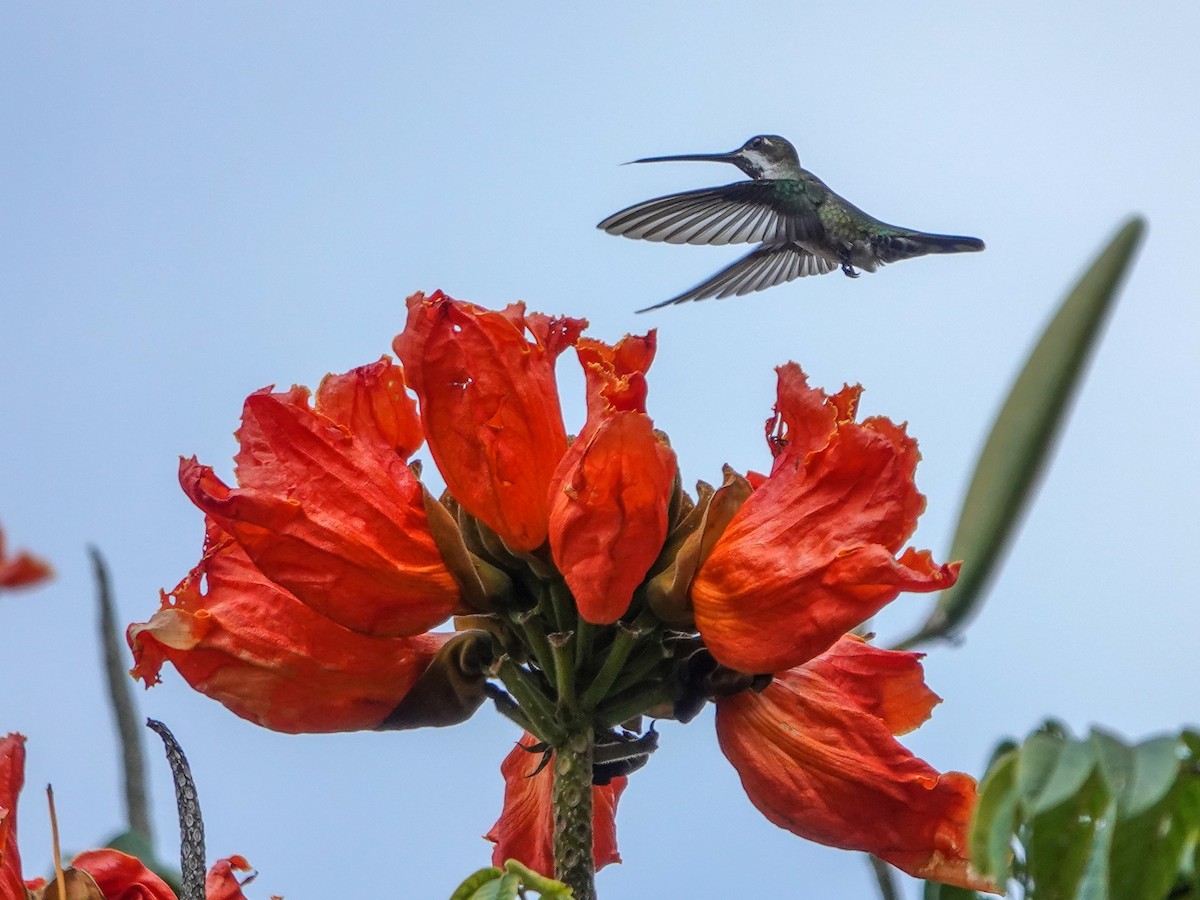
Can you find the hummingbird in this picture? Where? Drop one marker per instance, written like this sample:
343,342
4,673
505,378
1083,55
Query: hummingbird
802,227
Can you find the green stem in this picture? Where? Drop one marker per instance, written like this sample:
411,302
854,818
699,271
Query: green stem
613,663
585,635
648,659
534,703
563,605
511,711
574,862
529,623
623,707
564,674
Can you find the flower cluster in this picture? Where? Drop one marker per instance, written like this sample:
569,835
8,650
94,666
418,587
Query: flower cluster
588,588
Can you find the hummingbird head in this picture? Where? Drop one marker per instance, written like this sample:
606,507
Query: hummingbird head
765,156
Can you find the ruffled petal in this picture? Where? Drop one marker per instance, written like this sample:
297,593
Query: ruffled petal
12,779
525,829
816,754
332,514
373,400
812,553
21,570
610,495
120,876
222,883
252,646
489,405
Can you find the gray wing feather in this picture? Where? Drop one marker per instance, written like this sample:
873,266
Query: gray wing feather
745,212
766,267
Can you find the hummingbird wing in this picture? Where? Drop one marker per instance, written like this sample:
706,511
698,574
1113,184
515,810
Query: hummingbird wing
745,212
766,267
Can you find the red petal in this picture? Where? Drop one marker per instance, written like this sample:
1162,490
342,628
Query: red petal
12,779
888,684
816,756
269,658
525,829
373,399
221,883
811,553
489,405
332,514
609,498
21,570
121,876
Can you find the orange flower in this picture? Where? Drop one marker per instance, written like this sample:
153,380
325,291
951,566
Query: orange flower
21,570
608,508
328,509
117,875
812,553
525,829
490,406
254,647
816,754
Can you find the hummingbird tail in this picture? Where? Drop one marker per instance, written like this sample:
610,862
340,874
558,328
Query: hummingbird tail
907,244
951,243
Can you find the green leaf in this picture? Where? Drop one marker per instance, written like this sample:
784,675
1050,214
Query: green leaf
1072,769
1148,848
509,883
1024,433
995,817
1036,764
937,891
471,886
1094,885
1116,761
1092,819
1155,769
1063,843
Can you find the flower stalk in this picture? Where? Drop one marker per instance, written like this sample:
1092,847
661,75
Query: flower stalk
572,802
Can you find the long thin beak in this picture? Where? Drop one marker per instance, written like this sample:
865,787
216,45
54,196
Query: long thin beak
685,157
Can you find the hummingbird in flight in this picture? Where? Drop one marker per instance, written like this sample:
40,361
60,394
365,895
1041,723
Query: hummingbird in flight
801,226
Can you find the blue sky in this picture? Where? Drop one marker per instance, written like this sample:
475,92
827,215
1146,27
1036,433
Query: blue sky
200,200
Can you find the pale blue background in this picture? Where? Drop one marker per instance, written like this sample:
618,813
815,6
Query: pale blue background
197,200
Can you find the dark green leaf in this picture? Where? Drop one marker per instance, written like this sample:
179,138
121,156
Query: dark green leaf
1147,852
937,891
1024,433
1063,842
1092,819
1116,762
995,818
1071,772
1155,768
1037,762
1094,885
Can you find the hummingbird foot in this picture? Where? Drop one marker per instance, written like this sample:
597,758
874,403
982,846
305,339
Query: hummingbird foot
849,271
